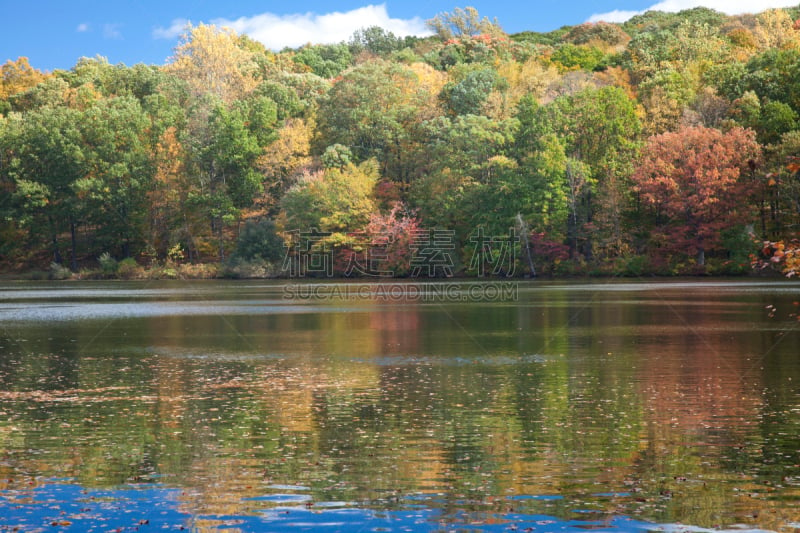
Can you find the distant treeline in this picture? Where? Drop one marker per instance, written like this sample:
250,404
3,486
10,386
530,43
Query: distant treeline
669,144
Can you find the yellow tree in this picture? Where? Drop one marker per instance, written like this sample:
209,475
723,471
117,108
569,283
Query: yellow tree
215,60
531,77
288,156
17,76
775,29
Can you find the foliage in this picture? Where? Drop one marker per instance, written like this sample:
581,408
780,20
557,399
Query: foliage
469,128
108,265
18,76
260,240
463,23
326,61
378,41
337,200
693,182
780,254
467,96
129,269
373,110
213,60
597,34
59,272
578,56
392,235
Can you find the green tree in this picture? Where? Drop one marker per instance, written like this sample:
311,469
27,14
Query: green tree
599,130
777,118
660,20
259,240
43,158
773,75
326,61
470,94
375,110
578,56
226,158
116,173
51,92
466,144
378,41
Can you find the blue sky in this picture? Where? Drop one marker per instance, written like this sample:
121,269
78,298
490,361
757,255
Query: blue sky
53,34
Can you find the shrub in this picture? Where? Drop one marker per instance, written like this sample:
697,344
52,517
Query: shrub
198,271
255,269
175,254
59,272
108,265
129,269
634,266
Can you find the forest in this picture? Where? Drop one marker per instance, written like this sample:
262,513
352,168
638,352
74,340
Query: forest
666,145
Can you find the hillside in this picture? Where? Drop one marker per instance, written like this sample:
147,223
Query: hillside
669,144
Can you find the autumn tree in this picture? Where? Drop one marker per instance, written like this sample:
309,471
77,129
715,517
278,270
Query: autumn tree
337,200
286,158
603,34
213,60
696,182
17,76
525,78
775,29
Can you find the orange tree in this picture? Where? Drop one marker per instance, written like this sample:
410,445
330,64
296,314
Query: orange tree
695,184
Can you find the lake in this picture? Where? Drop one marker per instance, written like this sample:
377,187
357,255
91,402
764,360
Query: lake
458,406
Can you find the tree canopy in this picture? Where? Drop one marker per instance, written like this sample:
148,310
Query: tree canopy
669,142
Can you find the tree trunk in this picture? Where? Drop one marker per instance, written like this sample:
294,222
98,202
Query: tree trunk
221,244
56,252
572,237
588,246
524,234
74,244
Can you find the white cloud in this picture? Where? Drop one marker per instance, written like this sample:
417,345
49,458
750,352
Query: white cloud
294,30
111,31
82,27
175,29
730,7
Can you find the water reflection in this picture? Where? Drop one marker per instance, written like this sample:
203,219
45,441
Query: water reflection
664,402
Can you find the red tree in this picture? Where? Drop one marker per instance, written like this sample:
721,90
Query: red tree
698,181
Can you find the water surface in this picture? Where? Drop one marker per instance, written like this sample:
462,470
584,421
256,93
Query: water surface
341,407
